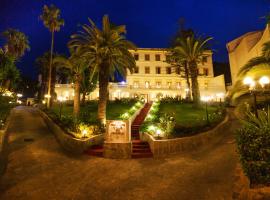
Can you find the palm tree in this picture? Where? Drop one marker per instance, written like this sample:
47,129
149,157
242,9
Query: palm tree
9,74
17,43
108,52
88,84
191,50
77,64
51,20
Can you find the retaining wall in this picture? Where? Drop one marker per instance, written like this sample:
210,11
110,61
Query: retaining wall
162,148
69,143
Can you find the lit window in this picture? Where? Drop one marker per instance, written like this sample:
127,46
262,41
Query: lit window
158,84
147,57
157,57
168,70
147,84
136,56
135,84
147,70
169,84
178,85
158,70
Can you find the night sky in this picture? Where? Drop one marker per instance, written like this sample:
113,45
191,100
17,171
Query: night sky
150,23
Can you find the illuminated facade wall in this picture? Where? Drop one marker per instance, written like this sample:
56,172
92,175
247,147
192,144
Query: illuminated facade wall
242,49
155,77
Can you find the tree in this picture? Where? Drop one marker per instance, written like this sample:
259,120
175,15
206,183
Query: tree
43,63
88,84
51,20
77,64
9,74
17,43
108,52
191,50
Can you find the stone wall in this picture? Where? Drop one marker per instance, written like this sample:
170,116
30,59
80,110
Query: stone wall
162,148
69,143
242,191
117,150
4,146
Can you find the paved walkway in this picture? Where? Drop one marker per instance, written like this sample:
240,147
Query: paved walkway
39,169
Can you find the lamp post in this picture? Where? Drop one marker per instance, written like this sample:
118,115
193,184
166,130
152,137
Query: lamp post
220,96
206,99
251,83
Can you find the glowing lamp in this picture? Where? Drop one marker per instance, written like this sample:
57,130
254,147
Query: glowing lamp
264,80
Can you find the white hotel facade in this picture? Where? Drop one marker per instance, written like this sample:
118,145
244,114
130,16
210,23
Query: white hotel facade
154,78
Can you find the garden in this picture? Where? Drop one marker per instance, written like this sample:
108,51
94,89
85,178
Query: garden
6,104
171,118
62,114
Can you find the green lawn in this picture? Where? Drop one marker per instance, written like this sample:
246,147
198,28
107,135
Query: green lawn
89,111
185,114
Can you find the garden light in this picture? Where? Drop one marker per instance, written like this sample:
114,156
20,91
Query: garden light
47,96
19,95
158,133
43,101
264,80
84,132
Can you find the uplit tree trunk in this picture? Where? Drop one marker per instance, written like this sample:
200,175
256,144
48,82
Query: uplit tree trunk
50,73
76,105
195,85
7,84
103,97
187,80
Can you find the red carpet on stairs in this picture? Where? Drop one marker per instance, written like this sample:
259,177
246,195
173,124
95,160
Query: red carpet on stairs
140,149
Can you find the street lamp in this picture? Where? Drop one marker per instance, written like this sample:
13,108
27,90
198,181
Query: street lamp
251,83
206,99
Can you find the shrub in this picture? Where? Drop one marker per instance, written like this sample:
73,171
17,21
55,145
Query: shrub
253,143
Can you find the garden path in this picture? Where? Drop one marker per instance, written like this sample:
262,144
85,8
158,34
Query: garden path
39,169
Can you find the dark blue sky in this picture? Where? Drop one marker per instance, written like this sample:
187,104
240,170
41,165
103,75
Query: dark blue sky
150,23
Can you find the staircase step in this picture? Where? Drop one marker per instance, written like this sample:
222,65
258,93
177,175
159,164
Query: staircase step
142,155
144,150
96,150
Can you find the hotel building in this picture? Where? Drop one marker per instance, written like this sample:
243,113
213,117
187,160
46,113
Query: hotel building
155,78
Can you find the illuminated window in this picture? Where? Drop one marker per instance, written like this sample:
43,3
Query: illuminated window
135,84
147,84
146,57
136,56
157,57
178,85
147,70
168,70
158,70
158,84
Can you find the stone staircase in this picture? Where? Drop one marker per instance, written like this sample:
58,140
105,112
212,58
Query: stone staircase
140,149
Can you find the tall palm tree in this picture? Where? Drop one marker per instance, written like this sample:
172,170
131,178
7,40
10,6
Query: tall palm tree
191,49
51,20
108,52
77,64
17,43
